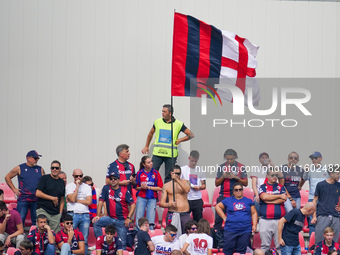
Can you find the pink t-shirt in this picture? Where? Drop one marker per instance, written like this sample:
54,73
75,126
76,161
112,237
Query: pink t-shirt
12,223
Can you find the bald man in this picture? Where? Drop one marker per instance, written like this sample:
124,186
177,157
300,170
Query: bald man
289,227
79,197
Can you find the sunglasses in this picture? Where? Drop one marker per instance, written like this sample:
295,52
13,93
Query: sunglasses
91,184
273,175
78,175
55,167
21,249
36,158
113,178
312,158
173,235
69,223
178,173
193,229
295,158
237,190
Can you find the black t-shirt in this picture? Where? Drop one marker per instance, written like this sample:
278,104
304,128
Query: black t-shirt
52,187
328,198
291,229
141,240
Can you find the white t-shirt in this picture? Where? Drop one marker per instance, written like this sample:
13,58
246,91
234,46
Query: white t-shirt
195,178
200,243
83,192
259,172
162,247
182,240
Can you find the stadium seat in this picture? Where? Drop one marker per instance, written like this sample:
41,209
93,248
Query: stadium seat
28,221
11,250
215,196
249,193
9,196
257,241
165,212
304,197
155,232
208,214
305,228
159,197
157,225
91,238
32,228
302,244
134,192
205,198
311,242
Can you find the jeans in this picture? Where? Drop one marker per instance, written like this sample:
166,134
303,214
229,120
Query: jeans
150,205
119,225
50,249
65,249
22,208
168,162
82,222
289,207
291,250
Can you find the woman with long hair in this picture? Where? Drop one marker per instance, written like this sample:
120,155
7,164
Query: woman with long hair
148,182
201,243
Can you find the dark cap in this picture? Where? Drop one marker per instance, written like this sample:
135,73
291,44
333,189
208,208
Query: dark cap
33,154
115,174
264,153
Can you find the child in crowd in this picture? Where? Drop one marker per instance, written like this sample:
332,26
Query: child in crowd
108,243
327,244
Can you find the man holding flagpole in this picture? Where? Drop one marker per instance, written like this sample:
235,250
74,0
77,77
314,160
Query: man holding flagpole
162,151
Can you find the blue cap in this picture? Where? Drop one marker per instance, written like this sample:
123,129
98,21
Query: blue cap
33,154
115,174
315,154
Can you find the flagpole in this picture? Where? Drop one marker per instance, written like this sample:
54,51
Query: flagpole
172,151
172,144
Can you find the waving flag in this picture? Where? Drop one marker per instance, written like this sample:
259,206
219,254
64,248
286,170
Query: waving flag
211,56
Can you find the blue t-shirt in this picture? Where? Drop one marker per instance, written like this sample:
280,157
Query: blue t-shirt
238,213
291,229
141,243
328,198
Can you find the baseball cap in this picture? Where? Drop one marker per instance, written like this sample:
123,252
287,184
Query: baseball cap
315,154
264,153
33,154
115,174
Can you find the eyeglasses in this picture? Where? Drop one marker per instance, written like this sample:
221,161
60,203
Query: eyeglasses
78,175
113,178
273,175
36,158
69,223
312,158
237,190
295,158
55,167
193,229
172,235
